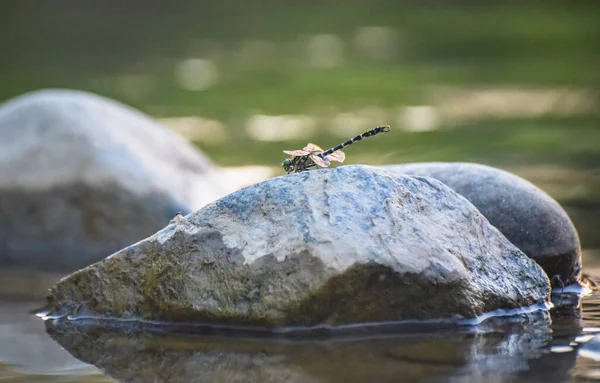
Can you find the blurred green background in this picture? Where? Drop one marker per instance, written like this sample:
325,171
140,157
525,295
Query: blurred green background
512,84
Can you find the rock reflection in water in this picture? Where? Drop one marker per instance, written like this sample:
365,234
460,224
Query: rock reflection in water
501,349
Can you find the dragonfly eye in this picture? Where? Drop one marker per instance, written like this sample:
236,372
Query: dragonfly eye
287,164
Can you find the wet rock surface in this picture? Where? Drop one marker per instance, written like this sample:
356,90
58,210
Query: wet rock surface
82,176
339,246
526,215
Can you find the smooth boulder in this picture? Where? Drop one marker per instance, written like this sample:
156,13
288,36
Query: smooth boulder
525,214
82,176
354,244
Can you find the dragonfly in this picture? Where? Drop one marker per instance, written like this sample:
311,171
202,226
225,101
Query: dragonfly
312,156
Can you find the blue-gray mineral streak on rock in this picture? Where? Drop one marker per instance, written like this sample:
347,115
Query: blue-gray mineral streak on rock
82,176
526,215
348,245
591,349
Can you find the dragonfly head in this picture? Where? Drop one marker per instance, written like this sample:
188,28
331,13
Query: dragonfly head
287,165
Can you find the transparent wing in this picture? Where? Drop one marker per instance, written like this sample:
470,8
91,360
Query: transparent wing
313,148
338,156
321,162
296,153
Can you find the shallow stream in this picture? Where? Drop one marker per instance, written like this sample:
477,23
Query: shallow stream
555,347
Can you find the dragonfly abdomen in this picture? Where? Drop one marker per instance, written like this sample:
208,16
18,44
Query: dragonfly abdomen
372,132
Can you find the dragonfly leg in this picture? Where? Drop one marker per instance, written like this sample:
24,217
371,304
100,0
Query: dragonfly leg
293,165
302,164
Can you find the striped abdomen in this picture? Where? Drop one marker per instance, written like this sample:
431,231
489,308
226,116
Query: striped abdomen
372,132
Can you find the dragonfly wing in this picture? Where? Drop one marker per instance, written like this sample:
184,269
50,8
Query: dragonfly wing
296,153
338,156
313,148
321,162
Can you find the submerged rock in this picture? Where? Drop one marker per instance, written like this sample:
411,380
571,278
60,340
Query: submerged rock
339,246
526,215
82,176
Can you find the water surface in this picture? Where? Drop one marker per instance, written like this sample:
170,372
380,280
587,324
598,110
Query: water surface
544,347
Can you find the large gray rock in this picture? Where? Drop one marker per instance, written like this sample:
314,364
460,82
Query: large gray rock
336,246
82,176
526,215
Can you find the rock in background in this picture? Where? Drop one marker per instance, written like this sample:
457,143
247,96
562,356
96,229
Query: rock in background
348,245
82,176
526,215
